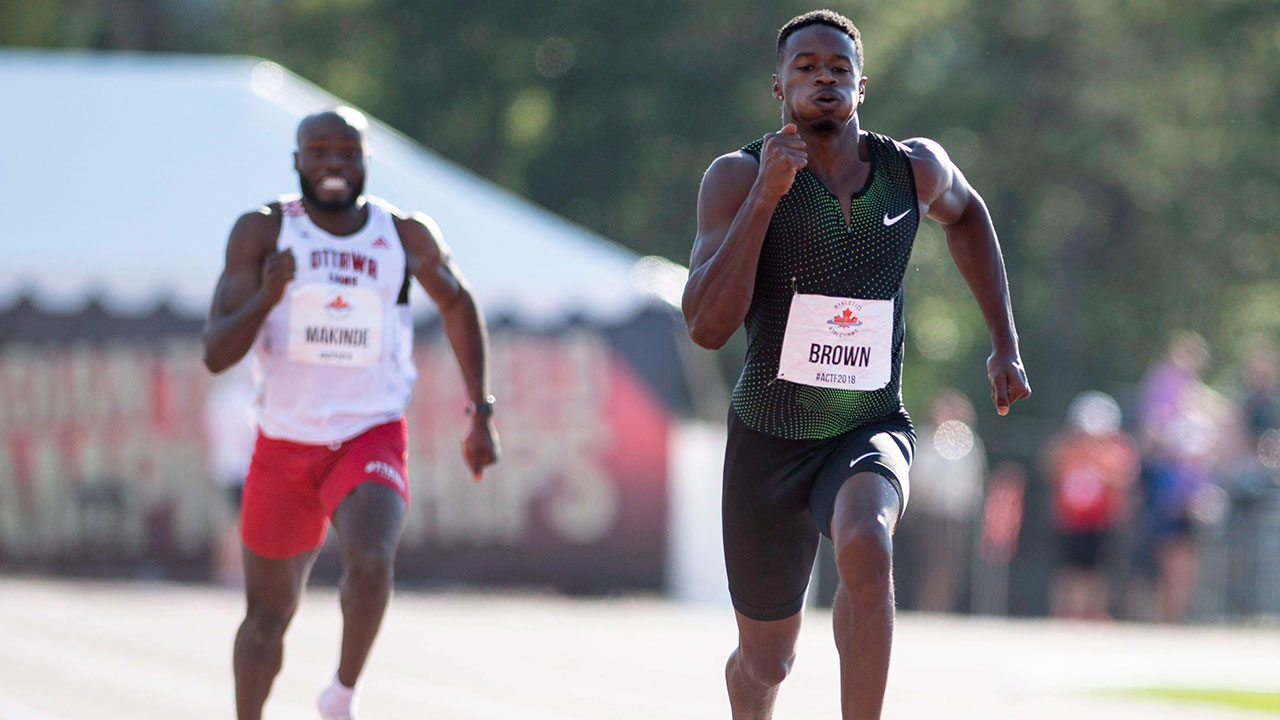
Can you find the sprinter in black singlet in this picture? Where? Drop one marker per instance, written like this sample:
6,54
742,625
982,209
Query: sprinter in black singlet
804,237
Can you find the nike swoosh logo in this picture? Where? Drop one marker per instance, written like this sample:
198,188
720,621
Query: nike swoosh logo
889,221
860,458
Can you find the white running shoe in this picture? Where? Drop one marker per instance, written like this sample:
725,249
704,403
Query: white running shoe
335,703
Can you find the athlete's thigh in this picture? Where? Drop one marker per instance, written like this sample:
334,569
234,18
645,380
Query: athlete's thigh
366,491
370,518
274,585
280,514
867,500
768,638
884,450
378,456
769,538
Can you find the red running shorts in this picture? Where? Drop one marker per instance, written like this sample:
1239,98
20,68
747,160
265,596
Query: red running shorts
292,489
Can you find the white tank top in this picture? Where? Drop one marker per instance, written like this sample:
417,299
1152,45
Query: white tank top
334,357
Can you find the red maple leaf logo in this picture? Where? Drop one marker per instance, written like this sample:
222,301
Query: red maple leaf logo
380,243
338,302
845,318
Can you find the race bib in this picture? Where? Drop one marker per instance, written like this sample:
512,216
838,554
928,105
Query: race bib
835,342
334,325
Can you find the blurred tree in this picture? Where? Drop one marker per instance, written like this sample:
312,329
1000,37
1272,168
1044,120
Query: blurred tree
1127,149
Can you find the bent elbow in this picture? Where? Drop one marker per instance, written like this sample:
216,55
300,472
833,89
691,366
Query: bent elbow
212,361
709,338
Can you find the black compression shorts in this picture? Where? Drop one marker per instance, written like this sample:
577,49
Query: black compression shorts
779,494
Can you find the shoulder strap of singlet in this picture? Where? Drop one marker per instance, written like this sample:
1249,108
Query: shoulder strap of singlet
277,215
889,148
896,153
753,148
402,298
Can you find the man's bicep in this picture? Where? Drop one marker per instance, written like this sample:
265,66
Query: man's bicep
441,279
430,260
242,270
941,188
724,188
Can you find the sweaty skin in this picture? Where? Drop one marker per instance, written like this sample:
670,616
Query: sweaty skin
820,84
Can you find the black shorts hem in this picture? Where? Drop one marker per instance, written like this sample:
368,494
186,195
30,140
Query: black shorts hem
824,508
781,612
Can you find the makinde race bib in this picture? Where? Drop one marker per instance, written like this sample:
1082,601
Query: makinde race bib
837,342
331,325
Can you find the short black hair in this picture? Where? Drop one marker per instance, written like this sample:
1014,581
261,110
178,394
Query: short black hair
830,18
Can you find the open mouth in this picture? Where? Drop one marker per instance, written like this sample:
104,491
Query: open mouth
333,184
826,98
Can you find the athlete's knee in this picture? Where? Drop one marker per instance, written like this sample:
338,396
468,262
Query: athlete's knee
864,553
265,622
369,568
763,666
764,659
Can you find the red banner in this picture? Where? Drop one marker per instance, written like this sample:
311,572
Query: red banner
103,456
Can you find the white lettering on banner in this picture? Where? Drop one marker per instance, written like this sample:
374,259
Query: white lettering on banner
586,506
79,386
835,342
103,453
102,449
557,385
337,326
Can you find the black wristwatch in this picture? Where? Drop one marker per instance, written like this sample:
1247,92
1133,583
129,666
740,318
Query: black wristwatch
484,407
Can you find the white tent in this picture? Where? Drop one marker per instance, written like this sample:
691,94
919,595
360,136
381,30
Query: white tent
122,174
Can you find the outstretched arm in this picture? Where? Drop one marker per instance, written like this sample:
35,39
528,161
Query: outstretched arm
946,196
253,280
432,264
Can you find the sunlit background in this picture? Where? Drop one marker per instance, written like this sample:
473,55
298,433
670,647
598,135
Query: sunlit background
1127,151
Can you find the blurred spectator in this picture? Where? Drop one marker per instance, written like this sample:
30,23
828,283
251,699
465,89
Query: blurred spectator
230,433
1261,395
1092,465
1183,422
1001,524
946,496
1250,479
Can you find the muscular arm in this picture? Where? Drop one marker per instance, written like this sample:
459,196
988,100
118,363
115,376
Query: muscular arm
433,266
735,205
241,300
733,216
946,196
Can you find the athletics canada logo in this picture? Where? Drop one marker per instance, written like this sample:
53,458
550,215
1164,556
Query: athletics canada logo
386,471
845,323
845,319
381,243
338,308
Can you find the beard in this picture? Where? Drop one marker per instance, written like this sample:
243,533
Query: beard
309,192
825,125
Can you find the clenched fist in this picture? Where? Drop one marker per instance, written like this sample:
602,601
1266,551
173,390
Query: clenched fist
781,157
277,270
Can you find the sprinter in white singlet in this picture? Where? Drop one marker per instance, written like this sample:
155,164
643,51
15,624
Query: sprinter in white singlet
318,287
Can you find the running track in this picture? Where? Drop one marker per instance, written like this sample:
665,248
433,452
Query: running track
77,651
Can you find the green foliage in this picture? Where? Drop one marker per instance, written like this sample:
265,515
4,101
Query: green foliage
1126,149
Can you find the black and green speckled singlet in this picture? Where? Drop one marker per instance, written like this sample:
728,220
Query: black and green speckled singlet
808,249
